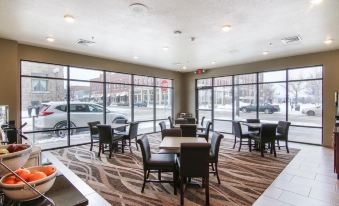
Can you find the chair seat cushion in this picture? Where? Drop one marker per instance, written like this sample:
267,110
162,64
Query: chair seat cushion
201,134
280,136
161,161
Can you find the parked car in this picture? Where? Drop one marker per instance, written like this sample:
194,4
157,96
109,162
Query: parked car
53,115
312,111
140,104
267,108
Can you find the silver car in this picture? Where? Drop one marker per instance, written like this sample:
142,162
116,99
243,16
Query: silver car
53,115
312,111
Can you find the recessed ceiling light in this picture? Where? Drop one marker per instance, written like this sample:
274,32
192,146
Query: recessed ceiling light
135,57
265,53
50,39
165,48
184,68
328,41
315,2
214,62
226,28
69,18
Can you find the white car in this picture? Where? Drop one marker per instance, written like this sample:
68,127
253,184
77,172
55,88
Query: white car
53,115
312,111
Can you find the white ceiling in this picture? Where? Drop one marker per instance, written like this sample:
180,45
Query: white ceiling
121,34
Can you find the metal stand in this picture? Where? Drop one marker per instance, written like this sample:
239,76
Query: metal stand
26,183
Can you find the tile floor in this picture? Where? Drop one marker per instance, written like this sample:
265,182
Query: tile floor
308,180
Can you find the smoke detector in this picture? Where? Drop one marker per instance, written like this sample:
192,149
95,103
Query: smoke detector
138,8
291,40
84,42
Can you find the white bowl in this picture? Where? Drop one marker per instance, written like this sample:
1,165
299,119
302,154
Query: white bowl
21,192
14,160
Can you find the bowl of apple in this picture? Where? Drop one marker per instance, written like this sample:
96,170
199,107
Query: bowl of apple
41,178
14,156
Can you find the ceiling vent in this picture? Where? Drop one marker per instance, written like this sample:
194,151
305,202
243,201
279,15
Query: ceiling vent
291,40
84,42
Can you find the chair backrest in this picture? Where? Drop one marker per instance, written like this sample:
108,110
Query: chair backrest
120,121
181,121
283,128
93,129
162,125
173,132
189,130
202,121
171,121
208,127
133,130
190,120
145,149
105,133
215,144
237,129
253,121
268,132
194,159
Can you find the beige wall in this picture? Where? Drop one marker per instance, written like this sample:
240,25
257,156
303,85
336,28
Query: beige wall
329,60
11,53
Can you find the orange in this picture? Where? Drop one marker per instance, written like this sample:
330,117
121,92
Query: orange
48,170
36,175
23,173
19,182
9,181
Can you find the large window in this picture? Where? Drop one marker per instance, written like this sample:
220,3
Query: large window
58,101
293,95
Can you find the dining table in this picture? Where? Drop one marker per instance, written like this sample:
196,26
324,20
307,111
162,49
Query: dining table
172,144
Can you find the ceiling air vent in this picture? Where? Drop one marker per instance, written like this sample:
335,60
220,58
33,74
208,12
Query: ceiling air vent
291,40
84,42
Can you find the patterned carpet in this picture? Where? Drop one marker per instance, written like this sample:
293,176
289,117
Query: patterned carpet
244,176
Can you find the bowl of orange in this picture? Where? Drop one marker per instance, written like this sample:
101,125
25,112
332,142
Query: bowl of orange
41,178
14,156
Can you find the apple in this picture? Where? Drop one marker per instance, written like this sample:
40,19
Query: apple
11,148
19,148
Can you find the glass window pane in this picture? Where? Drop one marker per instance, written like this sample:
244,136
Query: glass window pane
274,76
48,140
163,103
118,101
86,100
157,127
204,83
143,80
205,99
143,103
163,82
305,73
206,114
118,78
305,103
245,79
80,136
146,127
86,74
272,102
304,134
223,103
245,102
222,126
221,81
43,70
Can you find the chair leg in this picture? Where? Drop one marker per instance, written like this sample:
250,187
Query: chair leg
207,190
250,144
216,171
136,144
147,174
286,144
91,145
159,174
182,190
275,153
212,166
175,182
278,144
99,149
143,185
110,150
262,147
235,141
240,145
129,144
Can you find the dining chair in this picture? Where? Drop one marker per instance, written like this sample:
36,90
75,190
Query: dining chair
267,135
189,130
93,132
181,121
282,133
162,125
206,131
106,137
171,122
238,133
156,163
132,134
190,120
173,132
194,162
214,154
253,121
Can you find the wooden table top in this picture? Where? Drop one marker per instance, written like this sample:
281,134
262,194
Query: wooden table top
173,143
